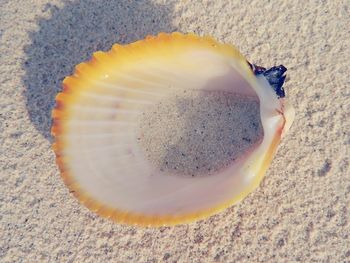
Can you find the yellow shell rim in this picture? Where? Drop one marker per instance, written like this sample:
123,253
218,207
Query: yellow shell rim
126,217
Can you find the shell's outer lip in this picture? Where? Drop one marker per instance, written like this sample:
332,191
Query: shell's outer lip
71,86
288,113
120,216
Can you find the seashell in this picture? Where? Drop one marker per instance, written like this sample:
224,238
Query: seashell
168,130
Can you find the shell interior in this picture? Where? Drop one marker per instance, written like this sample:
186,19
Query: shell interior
140,132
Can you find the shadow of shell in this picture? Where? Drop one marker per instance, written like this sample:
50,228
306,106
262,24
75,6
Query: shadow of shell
71,35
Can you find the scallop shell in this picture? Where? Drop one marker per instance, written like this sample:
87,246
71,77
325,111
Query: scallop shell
97,129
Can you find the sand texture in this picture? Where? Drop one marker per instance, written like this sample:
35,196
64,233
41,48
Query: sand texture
300,212
198,133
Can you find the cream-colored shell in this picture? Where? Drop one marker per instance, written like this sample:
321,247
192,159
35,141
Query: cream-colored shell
94,129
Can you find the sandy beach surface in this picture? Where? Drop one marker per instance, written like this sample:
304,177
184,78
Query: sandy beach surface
300,212
196,133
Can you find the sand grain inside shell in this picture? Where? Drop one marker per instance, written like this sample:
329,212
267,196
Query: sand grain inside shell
197,133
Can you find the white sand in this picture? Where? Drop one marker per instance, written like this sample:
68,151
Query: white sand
300,212
197,133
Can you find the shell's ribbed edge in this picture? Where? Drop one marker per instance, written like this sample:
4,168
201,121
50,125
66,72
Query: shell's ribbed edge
70,86
121,216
